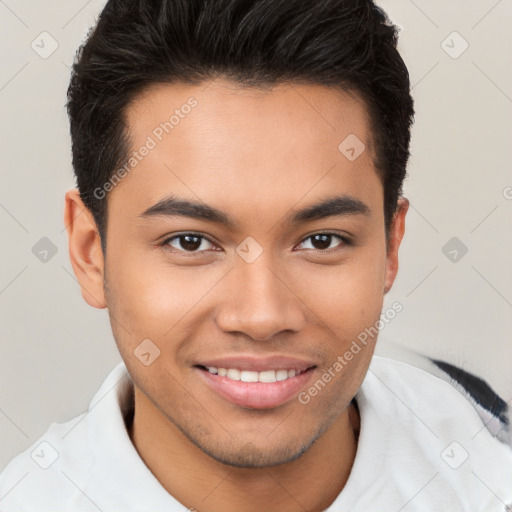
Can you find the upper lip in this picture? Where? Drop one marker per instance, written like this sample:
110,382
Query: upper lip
259,364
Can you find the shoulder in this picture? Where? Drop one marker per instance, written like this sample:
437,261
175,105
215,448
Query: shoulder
442,385
492,408
54,473
38,474
420,428
448,385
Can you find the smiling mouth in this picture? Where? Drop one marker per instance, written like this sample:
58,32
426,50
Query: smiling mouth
266,376
252,389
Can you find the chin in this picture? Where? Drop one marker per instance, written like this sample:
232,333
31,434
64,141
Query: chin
258,454
251,456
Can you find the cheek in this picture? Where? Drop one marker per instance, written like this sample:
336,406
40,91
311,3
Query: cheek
348,297
147,290
153,299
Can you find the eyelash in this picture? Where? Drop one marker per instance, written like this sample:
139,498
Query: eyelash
345,242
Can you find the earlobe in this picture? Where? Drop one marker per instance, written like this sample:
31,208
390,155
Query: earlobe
84,249
396,235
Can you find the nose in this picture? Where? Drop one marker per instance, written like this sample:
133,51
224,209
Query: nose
259,302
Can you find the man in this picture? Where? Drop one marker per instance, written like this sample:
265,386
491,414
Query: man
239,213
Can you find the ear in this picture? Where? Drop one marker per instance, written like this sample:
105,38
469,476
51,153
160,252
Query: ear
396,234
85,249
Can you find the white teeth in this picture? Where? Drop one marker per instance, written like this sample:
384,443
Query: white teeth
247,376
233,374
252,376
281,375
267,376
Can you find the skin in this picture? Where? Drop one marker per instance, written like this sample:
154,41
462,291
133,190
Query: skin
257,155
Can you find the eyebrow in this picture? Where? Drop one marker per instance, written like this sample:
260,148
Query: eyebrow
336,206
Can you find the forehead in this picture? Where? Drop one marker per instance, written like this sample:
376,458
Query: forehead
307,109
218,139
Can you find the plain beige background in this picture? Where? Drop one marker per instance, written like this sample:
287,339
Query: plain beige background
56,350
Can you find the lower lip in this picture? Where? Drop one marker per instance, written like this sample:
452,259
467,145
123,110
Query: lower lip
256,395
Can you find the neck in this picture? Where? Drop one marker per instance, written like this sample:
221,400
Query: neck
311,482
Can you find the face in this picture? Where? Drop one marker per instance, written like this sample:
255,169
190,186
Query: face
245,245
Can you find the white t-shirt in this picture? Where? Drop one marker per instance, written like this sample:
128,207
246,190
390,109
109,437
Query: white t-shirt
422,447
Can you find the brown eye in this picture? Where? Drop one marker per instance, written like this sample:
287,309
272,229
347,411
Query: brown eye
324,241
321,241
189,242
